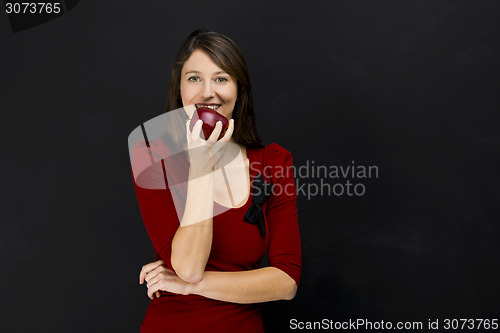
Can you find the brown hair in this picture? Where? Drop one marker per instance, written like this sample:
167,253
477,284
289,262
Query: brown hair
223,52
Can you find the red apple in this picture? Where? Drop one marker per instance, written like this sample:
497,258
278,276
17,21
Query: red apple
210,118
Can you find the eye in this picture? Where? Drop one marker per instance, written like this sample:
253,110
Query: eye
221,79
194,79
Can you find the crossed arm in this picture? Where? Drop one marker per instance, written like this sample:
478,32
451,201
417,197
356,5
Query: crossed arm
253,286
190,250
185,249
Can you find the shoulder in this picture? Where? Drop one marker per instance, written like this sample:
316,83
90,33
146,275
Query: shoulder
276,155
157,148
146,159
277,163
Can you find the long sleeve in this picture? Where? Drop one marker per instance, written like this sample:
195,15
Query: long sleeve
160,218
151,182
281,213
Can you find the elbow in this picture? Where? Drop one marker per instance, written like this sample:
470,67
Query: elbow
288,286
188,273
190,276
290,291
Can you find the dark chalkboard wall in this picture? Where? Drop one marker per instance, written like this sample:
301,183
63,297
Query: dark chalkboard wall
410,88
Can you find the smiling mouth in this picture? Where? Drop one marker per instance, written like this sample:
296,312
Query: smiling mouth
212,106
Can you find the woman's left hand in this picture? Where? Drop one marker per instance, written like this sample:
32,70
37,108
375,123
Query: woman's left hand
159,277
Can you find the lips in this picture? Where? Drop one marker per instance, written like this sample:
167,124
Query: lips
212,106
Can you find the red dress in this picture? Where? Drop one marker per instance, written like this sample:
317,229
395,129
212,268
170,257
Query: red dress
236,246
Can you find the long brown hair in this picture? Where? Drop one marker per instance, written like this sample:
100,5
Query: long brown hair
223,52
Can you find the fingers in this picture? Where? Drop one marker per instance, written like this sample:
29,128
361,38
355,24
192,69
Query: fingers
154,283
157,272
188,132
214,136
195,134
152,274
167,281
153,289
229,131
158,282
151,280
148,268
216,132
222,143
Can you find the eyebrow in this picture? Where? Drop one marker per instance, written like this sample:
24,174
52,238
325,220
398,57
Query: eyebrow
197,72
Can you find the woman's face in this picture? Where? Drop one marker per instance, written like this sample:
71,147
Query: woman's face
203,83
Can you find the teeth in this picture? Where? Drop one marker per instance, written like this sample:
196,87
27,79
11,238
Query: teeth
213,107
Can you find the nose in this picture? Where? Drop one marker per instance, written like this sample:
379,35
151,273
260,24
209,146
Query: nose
208,90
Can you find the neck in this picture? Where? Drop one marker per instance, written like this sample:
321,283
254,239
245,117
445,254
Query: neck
231,152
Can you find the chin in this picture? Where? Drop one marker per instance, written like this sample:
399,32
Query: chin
226,114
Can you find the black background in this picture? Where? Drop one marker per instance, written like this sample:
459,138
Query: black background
409,86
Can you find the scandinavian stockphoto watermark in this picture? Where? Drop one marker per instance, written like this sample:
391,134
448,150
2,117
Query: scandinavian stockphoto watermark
161,157
313,179
432,324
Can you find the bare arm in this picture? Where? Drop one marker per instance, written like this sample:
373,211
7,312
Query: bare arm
253,286
192,241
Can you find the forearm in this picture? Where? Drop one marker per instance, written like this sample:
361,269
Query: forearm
193,239
254,286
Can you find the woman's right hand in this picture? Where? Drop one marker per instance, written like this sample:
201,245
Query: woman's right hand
159,277
205,155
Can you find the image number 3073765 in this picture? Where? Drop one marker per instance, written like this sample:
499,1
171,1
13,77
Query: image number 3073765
24,15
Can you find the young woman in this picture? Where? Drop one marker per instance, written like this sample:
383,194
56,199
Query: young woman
237,203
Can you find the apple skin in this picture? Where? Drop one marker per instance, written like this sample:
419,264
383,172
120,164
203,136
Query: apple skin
209,118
